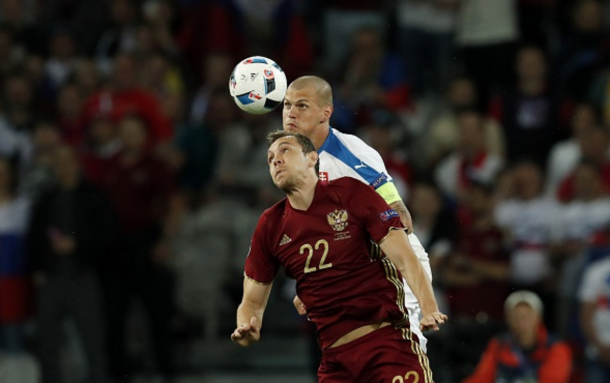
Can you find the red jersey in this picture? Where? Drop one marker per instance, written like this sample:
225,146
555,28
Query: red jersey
327,249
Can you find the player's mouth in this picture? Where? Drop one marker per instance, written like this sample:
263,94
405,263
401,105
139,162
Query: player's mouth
291,126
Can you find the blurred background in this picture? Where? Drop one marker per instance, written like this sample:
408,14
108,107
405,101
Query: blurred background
130,182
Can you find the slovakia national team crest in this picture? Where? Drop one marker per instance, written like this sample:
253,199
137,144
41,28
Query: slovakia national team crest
323,176
338,220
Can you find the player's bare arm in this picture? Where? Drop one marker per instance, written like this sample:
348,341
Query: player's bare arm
250,313
405,216
397,248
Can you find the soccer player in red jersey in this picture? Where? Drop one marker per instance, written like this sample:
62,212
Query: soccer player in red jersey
321,235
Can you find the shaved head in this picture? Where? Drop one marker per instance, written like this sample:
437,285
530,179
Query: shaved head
324,93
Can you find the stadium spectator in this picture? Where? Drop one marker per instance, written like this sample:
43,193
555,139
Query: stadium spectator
585,49
594,296
103,145
340,20
215,69
486,36
594,145
71,230
442,135
470,159
591,209
87,77
425,39
11,55
120,35
372,79
527,352
59,66
18,102
529,110
564,155
148,206
385,137
476,276
15,288
68,107
36,175
527,220
124,96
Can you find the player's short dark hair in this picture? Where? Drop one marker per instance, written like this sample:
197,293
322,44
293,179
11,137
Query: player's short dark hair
306,144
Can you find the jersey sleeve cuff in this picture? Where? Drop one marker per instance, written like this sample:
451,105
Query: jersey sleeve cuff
255,281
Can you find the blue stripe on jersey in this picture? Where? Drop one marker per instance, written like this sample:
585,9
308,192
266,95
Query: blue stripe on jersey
337,149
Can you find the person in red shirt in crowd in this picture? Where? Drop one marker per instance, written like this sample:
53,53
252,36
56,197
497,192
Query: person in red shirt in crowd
148,206
68,109
353,296
124,96
527,352
476,278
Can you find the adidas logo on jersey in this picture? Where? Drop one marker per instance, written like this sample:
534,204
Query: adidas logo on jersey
285,240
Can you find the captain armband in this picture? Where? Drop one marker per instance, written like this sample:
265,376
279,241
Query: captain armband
389,192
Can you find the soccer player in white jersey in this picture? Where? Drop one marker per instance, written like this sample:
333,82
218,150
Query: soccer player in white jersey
308,106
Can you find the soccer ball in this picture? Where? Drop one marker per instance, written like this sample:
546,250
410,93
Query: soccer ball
257,85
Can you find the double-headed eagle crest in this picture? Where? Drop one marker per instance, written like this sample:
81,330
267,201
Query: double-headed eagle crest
338,220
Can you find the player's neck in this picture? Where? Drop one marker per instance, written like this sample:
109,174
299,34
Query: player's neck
320,136
302,197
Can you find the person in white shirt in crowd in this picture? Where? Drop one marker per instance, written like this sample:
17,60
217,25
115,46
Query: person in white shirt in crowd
527,221
564,155
470,159
594,296
591,209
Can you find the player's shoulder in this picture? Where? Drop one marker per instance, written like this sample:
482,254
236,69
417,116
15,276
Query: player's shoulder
352,141
347,185
275,212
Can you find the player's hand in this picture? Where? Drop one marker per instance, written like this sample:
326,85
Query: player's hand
247,333
432,321
299,305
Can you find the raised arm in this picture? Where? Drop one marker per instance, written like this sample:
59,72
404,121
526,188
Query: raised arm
250,312
397,248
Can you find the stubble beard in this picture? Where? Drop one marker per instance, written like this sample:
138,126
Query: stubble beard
290,185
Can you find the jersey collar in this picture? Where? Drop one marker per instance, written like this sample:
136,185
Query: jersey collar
327,142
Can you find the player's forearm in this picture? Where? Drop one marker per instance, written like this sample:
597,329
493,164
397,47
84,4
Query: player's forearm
254,302
397,247
405,216
246,311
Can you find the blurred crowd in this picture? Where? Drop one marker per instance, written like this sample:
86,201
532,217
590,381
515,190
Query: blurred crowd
128,177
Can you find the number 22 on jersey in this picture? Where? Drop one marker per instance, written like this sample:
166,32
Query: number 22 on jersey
320,246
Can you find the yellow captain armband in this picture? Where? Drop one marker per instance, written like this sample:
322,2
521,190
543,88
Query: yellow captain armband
389,192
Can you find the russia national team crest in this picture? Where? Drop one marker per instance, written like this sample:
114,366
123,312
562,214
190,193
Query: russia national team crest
338,220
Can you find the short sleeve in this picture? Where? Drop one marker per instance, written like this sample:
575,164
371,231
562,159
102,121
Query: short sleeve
261,266
378,217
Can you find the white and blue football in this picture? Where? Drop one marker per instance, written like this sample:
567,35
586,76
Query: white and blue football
257,85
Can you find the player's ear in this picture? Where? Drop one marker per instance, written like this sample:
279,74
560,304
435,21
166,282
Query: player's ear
313,158
328,111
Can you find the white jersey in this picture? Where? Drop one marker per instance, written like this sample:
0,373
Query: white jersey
345,155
